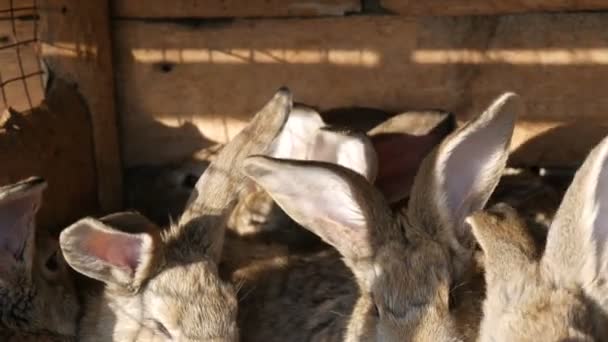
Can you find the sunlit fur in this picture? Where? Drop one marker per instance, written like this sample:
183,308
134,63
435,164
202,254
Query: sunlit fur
186,297
171,290
524,302
405,268
555,292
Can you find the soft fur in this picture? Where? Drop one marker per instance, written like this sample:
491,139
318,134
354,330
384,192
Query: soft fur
559,294
303,138
399,270
37,295
166,287
306,137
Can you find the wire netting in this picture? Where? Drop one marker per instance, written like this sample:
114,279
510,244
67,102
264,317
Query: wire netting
21,84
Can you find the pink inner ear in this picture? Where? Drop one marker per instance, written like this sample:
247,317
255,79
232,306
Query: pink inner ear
119,250
399,157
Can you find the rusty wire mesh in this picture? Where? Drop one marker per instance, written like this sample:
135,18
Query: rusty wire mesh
21,85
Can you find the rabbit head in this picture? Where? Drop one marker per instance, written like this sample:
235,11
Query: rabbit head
558,294
165,286
36,290
405,265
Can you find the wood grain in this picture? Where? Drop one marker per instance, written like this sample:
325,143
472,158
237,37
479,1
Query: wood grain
183,87
493,7
76,46
232,8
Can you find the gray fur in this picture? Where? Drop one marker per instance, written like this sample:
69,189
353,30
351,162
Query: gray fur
160,287
35,300
403,266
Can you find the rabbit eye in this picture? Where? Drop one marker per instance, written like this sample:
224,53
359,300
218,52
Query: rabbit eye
162,329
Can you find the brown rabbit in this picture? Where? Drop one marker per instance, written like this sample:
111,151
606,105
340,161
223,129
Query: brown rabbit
558,294
306,138
303,138
406,265
37,295
161,287
534,197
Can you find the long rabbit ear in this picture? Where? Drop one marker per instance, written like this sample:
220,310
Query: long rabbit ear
297,137
457,178
304,137
204,218
505,240
576,250
402,143
119,249
333,202
19,203
349,149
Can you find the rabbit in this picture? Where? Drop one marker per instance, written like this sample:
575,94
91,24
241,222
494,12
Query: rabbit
245,252
555,292
255,213
37,293
534,197
406,265
303,138
164,285
306,138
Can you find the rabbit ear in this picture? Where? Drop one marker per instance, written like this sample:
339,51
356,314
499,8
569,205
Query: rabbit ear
351,150
577,244
304,138
505,241
218,188
297,138
333,202
19,203
400,152
457,178
96,248
399,157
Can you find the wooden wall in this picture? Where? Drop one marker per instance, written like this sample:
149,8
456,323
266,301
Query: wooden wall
188,74
54,141
62,40
187,79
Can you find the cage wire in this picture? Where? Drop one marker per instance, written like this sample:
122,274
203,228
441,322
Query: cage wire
19,40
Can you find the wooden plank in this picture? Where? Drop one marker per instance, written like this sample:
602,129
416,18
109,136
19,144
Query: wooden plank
182,88
76,46
232,8
20,9
485,7
17,92
41,142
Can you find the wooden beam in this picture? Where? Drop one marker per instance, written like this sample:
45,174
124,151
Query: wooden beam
491,7
183,87
76,47
232,8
